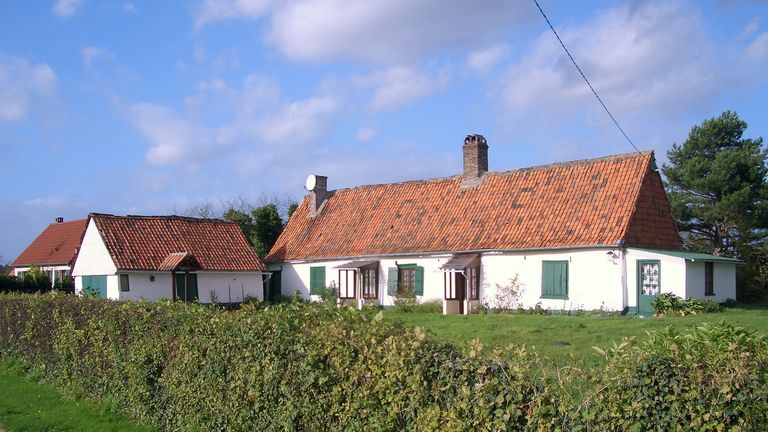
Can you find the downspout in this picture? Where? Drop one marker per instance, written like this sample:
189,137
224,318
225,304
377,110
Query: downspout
264,286
624,287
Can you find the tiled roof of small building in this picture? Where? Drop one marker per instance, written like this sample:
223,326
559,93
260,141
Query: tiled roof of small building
57,245
592,202
144,242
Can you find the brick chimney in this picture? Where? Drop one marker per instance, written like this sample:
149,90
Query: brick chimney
475,159
317,193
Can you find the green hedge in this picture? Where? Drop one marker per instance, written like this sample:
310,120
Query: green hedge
309,367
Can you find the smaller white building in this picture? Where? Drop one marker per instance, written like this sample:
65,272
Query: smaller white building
53,251
167,257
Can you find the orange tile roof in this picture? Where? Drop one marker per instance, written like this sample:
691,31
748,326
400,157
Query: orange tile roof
144,242
56,245
573,204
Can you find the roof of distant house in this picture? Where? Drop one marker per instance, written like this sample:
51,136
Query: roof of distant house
146,242
57,245
595,202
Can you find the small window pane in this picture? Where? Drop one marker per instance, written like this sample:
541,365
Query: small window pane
407,278
709,288
124,283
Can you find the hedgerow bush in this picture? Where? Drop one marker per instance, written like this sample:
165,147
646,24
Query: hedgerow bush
284,367
298,366
711,379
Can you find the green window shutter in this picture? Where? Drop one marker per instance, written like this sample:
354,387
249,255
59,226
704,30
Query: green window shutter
316,280
419,281
392,281
554,279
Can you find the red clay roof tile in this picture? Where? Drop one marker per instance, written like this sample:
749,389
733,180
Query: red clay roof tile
56,245
582,203
144,242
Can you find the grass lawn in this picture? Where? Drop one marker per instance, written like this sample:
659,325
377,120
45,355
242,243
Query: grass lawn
30,406
567,339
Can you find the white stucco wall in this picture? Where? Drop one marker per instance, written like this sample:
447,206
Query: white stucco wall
295,277
672,273
93,258
723,281
229,287
594,278
51,269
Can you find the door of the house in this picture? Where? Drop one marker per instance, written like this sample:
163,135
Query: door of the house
274,286
186,287
648,285
95,286
461,290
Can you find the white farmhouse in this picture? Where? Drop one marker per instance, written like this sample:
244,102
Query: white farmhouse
590,234
171,257
53,251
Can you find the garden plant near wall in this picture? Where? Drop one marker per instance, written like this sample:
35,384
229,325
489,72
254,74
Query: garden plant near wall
297,366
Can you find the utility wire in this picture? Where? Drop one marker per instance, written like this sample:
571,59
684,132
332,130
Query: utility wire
585,78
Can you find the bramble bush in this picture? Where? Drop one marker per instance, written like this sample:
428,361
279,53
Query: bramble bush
671,304
298,366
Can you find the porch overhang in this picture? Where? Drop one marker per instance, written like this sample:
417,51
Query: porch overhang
354,265
460,262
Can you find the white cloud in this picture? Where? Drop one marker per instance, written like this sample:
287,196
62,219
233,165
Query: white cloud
67,8
90,53
652,59
257,119
758,49
365,134
173,139
217,10
399,86
23,85
377,31
129,7
482,61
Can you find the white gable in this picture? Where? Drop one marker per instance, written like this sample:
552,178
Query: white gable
93,258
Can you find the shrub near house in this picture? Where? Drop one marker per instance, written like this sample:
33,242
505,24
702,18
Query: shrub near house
308,367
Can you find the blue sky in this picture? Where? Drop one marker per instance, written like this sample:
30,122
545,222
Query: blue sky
143,107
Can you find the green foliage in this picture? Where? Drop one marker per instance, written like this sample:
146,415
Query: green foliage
329,294
713,378
668,303
276,367
10,284
261,228
406,302
431,306
301,366
716,183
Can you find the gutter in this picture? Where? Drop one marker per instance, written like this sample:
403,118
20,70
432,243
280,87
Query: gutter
422,254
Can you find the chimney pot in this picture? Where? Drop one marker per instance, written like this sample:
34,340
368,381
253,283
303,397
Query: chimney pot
475,156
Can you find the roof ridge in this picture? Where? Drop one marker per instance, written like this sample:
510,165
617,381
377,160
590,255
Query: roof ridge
161,217
553,165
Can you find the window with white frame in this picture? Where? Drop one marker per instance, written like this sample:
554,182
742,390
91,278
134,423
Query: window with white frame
347,283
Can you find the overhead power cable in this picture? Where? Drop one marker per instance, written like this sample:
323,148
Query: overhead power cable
585,79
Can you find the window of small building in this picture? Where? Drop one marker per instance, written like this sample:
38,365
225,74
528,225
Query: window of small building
124,283
473,283
406,279
370,283
554,279
347,284
709,270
